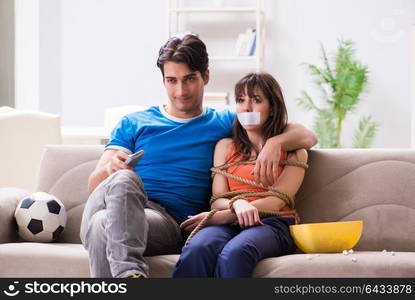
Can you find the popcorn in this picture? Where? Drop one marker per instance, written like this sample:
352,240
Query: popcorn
392,253
384,251
351,251
345,252
354,259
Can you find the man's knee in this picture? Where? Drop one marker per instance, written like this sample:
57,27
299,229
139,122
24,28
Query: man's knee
126,186
125,175
126,178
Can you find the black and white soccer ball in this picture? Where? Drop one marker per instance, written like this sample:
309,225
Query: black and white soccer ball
41,217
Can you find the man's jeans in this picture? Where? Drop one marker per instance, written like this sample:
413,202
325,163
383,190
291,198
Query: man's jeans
120,225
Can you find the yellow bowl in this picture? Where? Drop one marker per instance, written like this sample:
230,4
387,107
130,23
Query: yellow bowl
329,237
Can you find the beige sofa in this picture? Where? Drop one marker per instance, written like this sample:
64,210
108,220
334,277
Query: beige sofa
18,129
376,186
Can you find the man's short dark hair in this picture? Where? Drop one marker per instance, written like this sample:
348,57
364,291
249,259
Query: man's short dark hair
189,50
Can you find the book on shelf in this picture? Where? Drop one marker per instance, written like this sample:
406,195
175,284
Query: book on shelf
238,45
252,43
246,43
216,97
216,100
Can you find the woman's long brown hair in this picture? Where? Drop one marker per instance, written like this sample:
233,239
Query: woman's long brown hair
277,120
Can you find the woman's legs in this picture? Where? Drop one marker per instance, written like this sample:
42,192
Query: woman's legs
198,258
241,254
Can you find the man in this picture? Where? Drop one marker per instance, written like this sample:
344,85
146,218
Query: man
129,216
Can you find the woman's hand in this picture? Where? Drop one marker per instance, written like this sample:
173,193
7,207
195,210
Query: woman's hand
219,218
193,221
246,213
267,163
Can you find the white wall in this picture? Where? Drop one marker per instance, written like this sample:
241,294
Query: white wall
109,49
380,29
27,54
109,52
50,56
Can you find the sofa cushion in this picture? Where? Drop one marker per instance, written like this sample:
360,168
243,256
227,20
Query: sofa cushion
43,260
9,197
358,264
373,185
62,260
64,173
71,260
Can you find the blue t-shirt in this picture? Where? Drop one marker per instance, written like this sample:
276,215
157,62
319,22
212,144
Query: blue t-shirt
175,168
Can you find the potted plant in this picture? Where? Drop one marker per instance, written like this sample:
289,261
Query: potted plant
341,86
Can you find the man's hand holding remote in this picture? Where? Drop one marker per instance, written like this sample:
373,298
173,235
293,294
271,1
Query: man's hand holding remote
134,158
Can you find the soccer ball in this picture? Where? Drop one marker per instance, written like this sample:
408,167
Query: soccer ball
40,217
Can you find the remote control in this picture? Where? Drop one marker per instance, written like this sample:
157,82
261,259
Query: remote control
133,159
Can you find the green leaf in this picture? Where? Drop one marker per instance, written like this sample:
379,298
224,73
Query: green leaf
320,76
329,73
324,128
306,102
340,84
351,76
365,132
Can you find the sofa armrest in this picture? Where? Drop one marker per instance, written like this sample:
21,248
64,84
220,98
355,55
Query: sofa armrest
9,198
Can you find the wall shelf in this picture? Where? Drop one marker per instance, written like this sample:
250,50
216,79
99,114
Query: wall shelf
176,9
215,10
236,58
243,46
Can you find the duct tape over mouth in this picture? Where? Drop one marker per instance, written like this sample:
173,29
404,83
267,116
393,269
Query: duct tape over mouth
249,118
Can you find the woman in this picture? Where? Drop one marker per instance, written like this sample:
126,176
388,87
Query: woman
235,237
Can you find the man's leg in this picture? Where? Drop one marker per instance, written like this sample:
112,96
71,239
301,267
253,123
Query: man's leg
114,226
164,234
95,242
